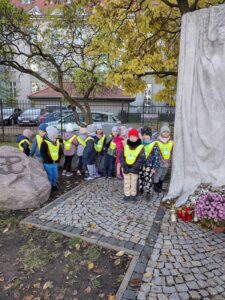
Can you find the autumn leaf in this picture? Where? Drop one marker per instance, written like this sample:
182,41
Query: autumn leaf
77,246
117,262
2,279
37,298
135,282
90,265
5,230
88,290
37,285
48,285
92,225
67,253
101,295
120,253
112,297
147,275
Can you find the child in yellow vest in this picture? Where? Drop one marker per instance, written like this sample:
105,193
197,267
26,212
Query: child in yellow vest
147,170
132,157
69,148
165,146
24,141
50,152
36,144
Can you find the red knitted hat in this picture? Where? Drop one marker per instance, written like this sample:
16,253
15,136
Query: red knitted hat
134,132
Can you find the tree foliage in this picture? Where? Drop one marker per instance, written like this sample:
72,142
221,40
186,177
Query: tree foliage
141,38
59,48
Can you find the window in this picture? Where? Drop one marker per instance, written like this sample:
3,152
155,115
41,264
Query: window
25,1
99,117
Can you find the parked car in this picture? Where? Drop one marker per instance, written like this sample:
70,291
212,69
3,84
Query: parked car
9,116
105,118
30,116
55,107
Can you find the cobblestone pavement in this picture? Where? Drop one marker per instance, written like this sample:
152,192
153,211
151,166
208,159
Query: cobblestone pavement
187,263
172,261
97,210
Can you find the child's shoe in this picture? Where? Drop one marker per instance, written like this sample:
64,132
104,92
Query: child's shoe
68,174
64,173
89,178
119,177
79,173
133,198
126,198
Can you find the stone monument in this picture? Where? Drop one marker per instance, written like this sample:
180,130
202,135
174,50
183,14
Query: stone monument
23,181
199,152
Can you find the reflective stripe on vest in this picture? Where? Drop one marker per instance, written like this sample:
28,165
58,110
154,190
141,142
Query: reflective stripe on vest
131,155
148,149
165,149
68,143
99,145
39,141
80,141
88,139
53,150
21,142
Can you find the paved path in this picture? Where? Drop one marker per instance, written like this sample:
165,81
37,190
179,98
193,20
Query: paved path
172,261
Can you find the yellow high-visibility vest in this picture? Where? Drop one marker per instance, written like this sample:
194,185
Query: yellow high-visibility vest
53,150
39,141
88,139
80,141
148,148
99,145
112,145
21,142
165,149
131,155
68,143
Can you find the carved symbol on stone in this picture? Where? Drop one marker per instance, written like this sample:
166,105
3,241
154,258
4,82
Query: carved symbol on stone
6,167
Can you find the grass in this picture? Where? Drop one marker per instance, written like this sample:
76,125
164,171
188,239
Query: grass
11,223
35,257
13,144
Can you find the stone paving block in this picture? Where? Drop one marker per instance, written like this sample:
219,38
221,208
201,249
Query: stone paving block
195,295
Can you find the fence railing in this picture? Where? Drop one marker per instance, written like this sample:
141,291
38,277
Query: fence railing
14,118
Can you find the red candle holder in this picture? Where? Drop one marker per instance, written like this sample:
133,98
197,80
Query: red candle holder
179,213
184,215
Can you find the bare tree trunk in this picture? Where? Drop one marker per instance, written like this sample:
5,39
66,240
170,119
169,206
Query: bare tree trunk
183,6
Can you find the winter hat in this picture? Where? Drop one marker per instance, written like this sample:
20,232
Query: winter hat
52,133
146,130
134,132
83,130
42,127
69,127
165,127
27,133
91,128
99,127
115,128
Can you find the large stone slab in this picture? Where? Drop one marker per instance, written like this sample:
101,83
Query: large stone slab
200,123
23,181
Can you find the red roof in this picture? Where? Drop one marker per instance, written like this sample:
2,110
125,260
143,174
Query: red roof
107,93
43,5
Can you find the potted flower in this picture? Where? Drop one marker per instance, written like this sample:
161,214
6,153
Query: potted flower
210,210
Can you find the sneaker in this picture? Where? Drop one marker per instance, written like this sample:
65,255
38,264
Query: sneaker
119,177
89,178
133,198
54,188
97,175
64,173
79,173
68,174
126,198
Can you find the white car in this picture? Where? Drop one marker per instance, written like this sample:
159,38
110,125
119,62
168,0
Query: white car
106,119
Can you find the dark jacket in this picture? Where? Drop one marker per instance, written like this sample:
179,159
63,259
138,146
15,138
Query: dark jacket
139,161
89,154
45,152
25,145
153,159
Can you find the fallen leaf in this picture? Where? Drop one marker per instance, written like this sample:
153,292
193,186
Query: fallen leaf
2,279
28,297
88,290
5,230
67,253
98,271
120,253
101,295
37,285
90,265
59,296
117,262
112,297
37,298
92,225
147,275
77,246
47,285
135,282
29,226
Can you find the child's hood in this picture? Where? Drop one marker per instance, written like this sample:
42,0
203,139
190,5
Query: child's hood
68,135
20,138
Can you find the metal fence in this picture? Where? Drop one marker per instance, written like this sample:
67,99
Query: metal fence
14,118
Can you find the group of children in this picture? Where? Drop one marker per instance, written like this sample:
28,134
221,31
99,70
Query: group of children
138,159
